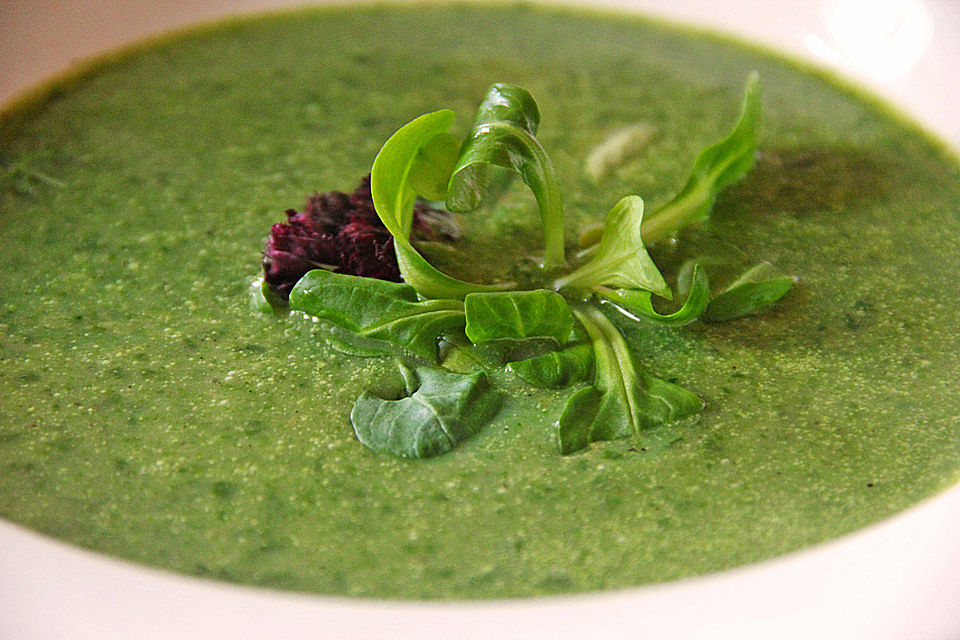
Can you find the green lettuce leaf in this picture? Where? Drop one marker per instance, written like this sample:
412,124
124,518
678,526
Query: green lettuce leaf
621,260
739,285
517,325
504,137
377,311
437,411
756,290
517,315
556,369
717,167
624,399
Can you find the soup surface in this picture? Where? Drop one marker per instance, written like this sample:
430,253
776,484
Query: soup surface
147,413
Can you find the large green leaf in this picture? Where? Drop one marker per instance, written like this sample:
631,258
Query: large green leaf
621,260
717,167
438,410
504,137
378,310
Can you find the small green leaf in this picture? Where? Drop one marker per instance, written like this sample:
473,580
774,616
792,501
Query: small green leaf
639,304
378,310
631,400
620,260
754,291
504,137
517,315
517,325
557,369
574,425
264,299
394,197
717,167
738,284
440,410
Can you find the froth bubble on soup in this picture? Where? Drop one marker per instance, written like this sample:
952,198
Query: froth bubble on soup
149,415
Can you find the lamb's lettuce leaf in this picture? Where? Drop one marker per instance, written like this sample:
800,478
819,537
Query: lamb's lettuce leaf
518,315
436,411
556,369
621,260
639,304
756,290
717,167
504,137
378,311
517,325
624,399
739,285
575,426
417,154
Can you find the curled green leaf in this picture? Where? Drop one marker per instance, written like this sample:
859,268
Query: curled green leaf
639,304
418,153
504,137
437,411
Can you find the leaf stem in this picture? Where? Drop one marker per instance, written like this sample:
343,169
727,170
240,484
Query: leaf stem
554,252
675,215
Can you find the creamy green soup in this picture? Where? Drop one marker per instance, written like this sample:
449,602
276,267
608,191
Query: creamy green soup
149,414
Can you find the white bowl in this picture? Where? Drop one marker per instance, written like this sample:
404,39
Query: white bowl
898,579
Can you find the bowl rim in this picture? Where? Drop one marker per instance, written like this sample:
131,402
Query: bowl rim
705,601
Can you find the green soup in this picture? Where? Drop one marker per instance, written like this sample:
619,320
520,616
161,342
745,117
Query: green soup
147,413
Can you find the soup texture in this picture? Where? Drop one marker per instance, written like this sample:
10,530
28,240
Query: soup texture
149,414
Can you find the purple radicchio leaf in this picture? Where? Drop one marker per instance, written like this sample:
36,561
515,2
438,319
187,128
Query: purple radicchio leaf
343,233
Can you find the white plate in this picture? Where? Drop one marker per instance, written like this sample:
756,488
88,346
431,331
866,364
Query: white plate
898,579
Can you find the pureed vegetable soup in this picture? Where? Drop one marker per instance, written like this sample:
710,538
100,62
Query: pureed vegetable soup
148,413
